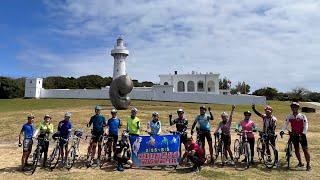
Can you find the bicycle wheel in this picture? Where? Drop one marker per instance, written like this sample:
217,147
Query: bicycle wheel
35,159
54,157
288,153
223,157
216,149
104,151
71,157
270,154
236,149
247,154
260,150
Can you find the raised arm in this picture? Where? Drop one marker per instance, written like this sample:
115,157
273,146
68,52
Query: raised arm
170,120
255,111
211,116
231,114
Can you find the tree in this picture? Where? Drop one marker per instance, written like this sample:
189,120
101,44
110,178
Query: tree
224,83
299,94
268,92
241,87
9,88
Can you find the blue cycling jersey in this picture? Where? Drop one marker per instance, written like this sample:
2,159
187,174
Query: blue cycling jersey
64,127
155,127
203,120
114,125
98,122
27,130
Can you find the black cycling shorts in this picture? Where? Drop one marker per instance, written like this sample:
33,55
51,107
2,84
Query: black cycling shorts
226,140
113,138
62,142
96,137
296,139
205,134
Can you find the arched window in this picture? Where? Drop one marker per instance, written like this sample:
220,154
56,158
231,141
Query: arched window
200,86
190,86
181,86
166,83
211,86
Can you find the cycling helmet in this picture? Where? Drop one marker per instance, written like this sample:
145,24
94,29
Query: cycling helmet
67,114
30,116
47,116
125,134
98,108
247,113
113,111
155,114
268,108
294,104
203,107
224,114
134,110
180,111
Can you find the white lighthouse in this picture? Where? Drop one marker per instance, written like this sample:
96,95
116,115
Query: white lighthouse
119,54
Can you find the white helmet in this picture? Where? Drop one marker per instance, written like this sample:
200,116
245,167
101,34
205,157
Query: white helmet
134,109
155,114
114,111
224,114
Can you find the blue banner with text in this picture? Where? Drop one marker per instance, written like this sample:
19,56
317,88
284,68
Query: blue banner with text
160,150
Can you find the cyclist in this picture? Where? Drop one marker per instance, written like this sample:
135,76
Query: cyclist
113,125
98,121
122,153
181,125
225,125
204,120
299,128
27,131
45,128
269,127
154,124
195,154
133,123
247,125
64,130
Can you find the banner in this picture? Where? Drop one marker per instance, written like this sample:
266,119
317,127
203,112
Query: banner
160,150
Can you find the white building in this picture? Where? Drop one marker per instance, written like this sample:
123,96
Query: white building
195,82
194,87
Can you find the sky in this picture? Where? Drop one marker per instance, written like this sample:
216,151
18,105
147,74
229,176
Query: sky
274,43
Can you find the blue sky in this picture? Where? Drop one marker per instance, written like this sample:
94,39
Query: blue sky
271,43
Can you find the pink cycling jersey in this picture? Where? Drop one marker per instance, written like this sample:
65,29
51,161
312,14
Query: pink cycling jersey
247,126
299,123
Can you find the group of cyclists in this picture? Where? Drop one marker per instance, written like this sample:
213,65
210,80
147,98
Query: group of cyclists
193,152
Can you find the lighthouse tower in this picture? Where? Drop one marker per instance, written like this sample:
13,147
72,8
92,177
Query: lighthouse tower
119,54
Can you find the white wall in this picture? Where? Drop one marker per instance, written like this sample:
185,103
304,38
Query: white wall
33,87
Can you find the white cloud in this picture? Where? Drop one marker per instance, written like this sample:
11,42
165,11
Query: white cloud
273,43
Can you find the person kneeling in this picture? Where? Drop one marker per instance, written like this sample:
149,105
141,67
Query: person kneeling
195,154
122,154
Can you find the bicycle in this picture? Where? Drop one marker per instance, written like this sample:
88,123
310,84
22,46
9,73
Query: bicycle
55,155
263,145
219,148
104,150
89,152
36,156
288,149
74,149
241,147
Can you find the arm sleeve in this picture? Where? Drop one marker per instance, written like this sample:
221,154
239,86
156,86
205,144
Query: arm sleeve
211,116
255,127
305,125
104,121
285,125
231,116
120,124
238,126
69,130
148,125
255,111
51,129
90,122
159,132
171,122
218,127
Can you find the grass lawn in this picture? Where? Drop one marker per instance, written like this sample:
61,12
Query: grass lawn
13,116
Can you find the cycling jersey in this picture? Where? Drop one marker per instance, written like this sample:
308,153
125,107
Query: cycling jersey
27,130
247,126
198,151
181,124
114,124
204,122
269,123
155,127
64,128
45,129
98,122
133,125
299,123
225,127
